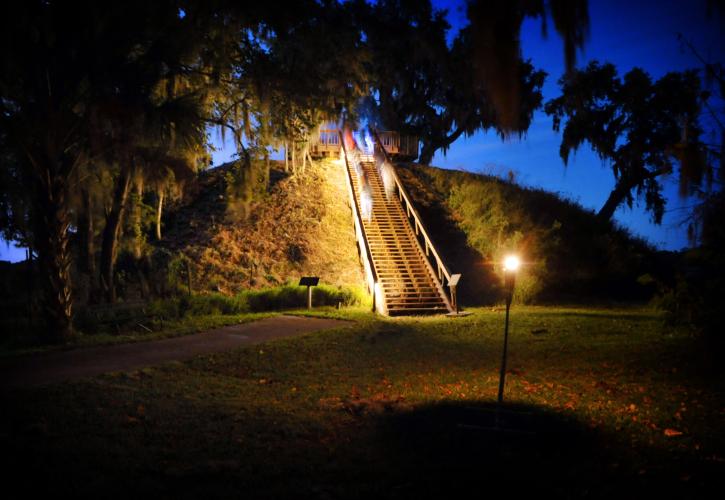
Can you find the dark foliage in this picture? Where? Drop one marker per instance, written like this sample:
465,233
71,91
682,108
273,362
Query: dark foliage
641,128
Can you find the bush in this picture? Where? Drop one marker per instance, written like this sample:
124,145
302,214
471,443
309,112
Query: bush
293,296
218,304
166,309
268,299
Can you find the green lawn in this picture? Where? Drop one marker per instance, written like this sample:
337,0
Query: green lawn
395,408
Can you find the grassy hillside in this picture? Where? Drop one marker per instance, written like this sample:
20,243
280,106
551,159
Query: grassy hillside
568,253
269,235
300,225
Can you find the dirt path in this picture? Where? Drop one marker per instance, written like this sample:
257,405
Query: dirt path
62,366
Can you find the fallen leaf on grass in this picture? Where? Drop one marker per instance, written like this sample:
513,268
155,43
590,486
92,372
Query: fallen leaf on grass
672,432
333,403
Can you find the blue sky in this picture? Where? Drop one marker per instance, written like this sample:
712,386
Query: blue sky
627,33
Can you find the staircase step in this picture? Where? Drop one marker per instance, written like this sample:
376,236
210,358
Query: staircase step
403,272
410,310
410,301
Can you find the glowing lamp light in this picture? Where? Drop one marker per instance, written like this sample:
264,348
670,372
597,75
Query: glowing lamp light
511,263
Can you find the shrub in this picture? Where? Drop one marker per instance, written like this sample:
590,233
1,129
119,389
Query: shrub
218,304
166,309
292,296
269,299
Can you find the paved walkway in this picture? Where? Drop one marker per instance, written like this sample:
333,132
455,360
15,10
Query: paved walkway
61,366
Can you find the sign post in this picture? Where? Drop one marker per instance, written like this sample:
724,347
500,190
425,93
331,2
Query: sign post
452,283
309,282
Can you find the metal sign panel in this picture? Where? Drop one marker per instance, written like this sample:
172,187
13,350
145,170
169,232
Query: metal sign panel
309,280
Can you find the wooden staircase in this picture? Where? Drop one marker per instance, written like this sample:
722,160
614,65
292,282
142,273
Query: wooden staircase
407,281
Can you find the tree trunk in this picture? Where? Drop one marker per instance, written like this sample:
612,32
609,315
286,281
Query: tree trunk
624,186
54,257
138,236
86,234
112,232
309,158
141,269
159,208
286,159
30,283
616,197
426,154
430,146
294,167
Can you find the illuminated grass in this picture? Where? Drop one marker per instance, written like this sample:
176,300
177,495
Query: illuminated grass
375,410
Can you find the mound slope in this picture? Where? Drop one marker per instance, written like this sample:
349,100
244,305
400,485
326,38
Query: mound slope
299,225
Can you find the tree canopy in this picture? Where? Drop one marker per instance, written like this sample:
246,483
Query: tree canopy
105,109
640,127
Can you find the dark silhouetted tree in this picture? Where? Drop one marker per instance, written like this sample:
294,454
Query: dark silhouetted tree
423,87
641,128
496,44
66,71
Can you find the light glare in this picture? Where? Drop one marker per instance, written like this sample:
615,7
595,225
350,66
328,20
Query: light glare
511,263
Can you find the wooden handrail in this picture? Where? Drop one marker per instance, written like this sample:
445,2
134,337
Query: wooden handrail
371,274
418,226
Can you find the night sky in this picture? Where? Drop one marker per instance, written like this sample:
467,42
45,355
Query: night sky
627,33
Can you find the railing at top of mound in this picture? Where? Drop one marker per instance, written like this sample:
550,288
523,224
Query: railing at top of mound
445,277
371,275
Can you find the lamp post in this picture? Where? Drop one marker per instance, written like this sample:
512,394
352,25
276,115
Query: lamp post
510,266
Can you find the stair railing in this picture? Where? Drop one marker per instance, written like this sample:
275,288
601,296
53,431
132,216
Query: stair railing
371,275
446,279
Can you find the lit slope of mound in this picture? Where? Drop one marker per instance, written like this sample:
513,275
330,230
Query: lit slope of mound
569,254
300,226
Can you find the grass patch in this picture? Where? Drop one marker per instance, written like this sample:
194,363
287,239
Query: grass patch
613,404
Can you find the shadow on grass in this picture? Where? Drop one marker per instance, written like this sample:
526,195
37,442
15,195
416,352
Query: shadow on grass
448,450
469,449
456,448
